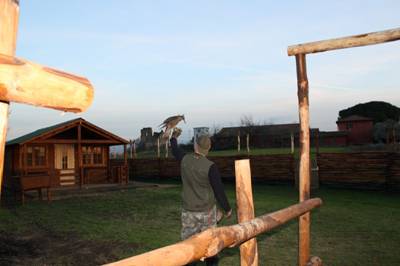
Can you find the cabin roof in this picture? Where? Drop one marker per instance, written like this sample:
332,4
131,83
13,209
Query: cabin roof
47,130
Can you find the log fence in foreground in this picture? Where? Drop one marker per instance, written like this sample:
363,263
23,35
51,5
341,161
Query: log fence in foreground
212,241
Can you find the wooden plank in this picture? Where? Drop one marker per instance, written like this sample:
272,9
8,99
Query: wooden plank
210,242
304,170
245,210
345,42
9,14
26,82
73,141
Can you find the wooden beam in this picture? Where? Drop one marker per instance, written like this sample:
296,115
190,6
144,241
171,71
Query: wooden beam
9,14
245,210
26,82
345,42
73,141
80,154
304,170
210,242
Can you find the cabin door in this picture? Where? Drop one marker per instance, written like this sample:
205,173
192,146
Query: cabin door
65,163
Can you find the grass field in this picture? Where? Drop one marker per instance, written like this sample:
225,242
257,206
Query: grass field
351,228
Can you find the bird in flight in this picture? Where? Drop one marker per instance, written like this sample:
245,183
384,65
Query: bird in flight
169,124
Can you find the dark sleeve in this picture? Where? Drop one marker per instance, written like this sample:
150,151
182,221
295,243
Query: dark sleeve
218,188
177,152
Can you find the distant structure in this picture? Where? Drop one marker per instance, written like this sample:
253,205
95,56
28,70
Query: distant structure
264,136
359,129
148,139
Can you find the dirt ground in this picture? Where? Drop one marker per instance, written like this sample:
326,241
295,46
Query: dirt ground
45,248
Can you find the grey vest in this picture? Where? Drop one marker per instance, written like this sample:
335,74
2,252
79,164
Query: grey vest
197,192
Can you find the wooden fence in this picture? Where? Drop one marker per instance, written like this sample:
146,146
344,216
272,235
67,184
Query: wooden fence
370,170
276,168
360,169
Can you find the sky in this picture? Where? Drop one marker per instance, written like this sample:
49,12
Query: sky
213,61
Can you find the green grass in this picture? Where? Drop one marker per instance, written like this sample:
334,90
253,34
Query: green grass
351,228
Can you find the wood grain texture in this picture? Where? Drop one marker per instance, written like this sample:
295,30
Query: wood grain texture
304,168
210,242
345,42
9,15
26,82
245,210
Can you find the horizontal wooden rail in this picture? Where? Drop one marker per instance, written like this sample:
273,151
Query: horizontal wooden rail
212,241
26,82
345,42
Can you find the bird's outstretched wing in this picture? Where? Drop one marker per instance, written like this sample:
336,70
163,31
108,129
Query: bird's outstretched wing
170,120
169,124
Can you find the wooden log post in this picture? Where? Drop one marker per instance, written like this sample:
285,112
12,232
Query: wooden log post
245,210
210,242
9,15
345,42
166,149
80,164
238,143
134,149
158,147
248,143
130,149
126,170
304,169
291,143
26,82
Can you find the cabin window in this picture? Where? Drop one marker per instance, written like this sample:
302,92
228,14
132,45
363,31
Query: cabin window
97,155
36,156
93,155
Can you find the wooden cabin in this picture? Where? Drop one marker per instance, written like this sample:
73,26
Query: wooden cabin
72,153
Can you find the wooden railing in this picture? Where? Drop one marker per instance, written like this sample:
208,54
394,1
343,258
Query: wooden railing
210,242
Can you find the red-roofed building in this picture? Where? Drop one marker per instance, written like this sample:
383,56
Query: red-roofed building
359,129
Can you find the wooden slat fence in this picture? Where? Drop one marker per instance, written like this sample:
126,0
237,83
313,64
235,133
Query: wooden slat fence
277,168
393,180
359,169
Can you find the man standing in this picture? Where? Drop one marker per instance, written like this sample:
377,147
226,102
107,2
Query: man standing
202,188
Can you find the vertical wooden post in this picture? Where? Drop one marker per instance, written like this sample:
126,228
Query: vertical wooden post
126,165
248,143
166,149
304,170
80,155
131,148
291,142
238,142
25,160
158,147
9,13
245,210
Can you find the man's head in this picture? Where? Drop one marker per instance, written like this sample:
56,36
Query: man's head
202,145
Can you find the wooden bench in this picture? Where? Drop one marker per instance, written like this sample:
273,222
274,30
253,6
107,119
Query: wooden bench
34,181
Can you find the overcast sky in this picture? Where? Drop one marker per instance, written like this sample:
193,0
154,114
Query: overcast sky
213,61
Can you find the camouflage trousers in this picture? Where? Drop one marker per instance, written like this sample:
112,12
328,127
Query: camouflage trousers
196,222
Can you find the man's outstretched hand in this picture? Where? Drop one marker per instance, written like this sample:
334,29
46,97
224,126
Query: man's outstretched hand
177,132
